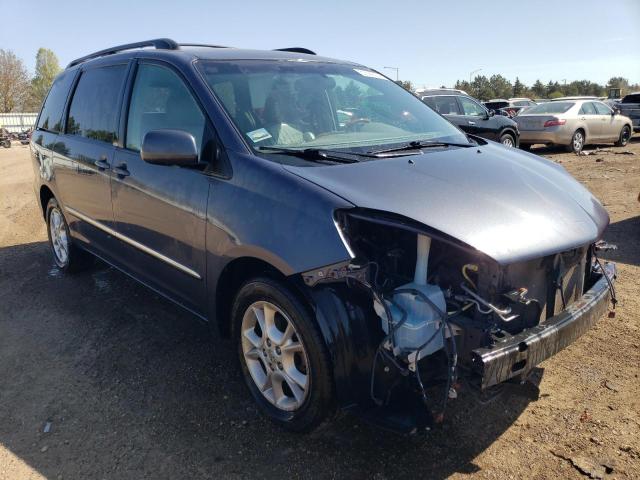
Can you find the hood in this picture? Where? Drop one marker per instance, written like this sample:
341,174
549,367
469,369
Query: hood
510,205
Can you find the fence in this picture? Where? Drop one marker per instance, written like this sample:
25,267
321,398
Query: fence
16,122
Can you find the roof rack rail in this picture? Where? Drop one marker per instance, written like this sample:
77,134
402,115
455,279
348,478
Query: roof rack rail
202,45
296,50
159,43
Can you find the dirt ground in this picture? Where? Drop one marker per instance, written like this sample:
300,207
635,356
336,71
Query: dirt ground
101,378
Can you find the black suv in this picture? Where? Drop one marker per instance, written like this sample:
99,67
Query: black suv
472,117
360,251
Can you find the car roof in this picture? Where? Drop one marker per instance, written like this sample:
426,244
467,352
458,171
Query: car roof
189,52
440,91
578,97
497,100
516,99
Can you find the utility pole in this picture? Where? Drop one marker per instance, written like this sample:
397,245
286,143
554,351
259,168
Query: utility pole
396,69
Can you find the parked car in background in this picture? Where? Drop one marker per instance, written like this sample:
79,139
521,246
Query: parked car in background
472,117
629,106
509,107
355,266
574,124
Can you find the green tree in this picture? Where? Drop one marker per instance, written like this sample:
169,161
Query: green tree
406,84
518,88
556,94
14,81
481,88
463,85
539,90
47,67
501,86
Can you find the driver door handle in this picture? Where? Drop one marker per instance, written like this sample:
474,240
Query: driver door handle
471,123
121,170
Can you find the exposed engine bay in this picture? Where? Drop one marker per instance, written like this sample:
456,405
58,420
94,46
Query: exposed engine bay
442,307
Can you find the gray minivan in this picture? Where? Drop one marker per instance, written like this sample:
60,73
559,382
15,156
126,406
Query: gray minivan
359,250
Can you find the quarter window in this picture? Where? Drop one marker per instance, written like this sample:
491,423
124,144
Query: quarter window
160,100
471,108
51,114
94,108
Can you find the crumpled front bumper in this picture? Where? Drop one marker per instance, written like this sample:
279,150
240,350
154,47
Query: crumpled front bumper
516,355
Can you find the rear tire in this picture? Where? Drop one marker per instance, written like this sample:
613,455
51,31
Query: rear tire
507,140
289,375
625,135
577,142
66,255
525,146
6,143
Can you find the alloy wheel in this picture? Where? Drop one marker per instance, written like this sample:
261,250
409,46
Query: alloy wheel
578,141
626,134
59,237
507,141
275,356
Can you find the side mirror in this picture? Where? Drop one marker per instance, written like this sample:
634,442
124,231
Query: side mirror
490,113
169,147
615,111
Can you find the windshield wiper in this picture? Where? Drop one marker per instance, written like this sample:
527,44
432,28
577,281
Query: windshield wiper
313,154
417,145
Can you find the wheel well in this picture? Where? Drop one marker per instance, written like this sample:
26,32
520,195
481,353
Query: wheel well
236,273
509,131
45,195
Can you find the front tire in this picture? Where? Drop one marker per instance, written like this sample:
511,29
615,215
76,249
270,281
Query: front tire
577,142
66,256
507,140
525,146
283,358
625,135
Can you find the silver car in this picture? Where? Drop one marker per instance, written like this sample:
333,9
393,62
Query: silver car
574,124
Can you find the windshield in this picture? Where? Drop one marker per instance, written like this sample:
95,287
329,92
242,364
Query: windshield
294,104
550,107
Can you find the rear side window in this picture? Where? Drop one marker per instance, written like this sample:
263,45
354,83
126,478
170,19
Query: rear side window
632,98
587,109
51,114
94,108
160,99
550,107
444,104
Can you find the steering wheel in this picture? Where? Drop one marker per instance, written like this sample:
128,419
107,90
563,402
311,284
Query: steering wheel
353,123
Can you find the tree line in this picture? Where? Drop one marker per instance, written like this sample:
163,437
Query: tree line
498,86
18,91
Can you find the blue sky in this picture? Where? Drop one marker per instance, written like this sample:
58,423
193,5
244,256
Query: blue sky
432,43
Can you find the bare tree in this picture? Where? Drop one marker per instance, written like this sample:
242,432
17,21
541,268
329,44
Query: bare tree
14,81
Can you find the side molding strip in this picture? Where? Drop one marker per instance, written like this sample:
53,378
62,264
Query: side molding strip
133,243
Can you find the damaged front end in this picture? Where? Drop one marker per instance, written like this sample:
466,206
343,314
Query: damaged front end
415,312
